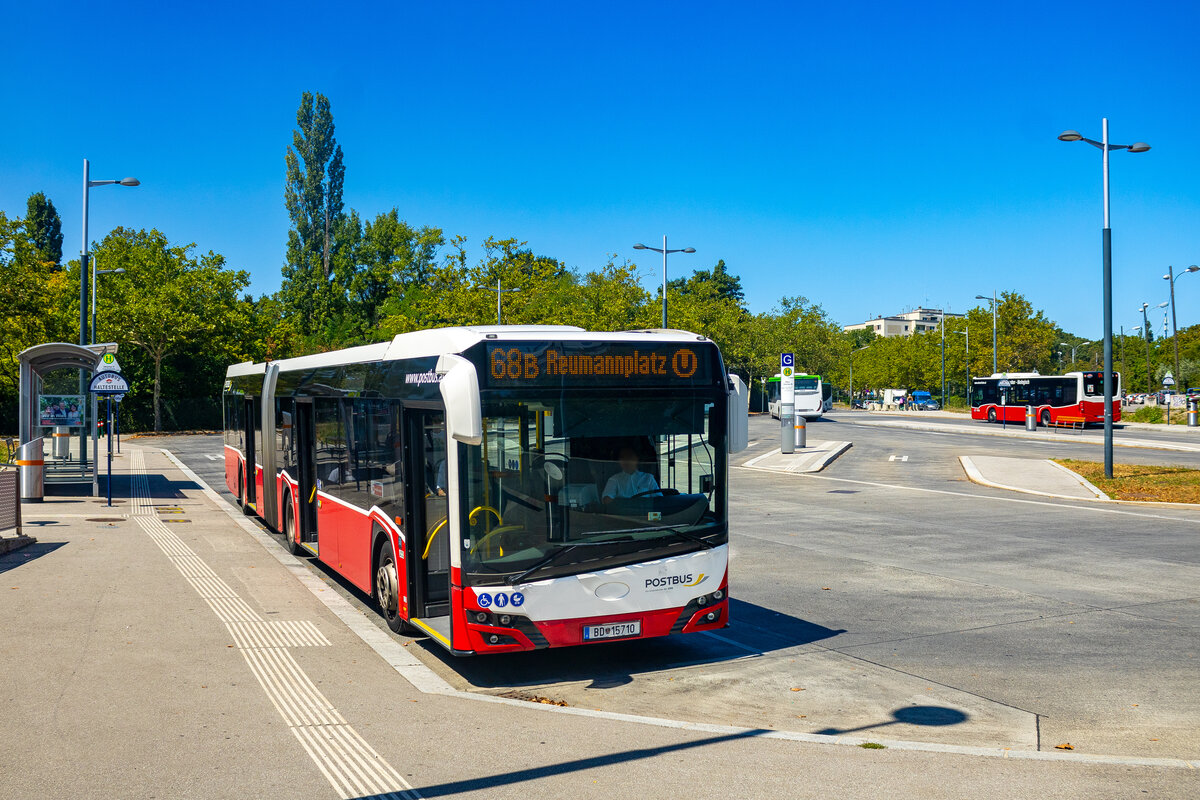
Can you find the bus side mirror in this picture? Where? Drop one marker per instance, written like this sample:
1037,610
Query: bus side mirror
460,392
738,426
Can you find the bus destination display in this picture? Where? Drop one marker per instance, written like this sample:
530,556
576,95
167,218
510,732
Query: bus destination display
552,364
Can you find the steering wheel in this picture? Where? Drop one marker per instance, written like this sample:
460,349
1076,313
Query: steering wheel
503,530
663,492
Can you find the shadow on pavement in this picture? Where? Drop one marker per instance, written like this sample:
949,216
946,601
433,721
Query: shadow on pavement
754,631
929,716
577,765
26,554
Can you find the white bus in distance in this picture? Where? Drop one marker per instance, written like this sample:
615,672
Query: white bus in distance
812,398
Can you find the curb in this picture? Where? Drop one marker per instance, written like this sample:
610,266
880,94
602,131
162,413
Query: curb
976,476
15,543
427,681
835,450
1021,434
1082,480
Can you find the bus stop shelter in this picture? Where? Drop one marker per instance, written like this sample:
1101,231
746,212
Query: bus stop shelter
35,363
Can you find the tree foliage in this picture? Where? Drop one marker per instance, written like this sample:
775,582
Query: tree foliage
44,228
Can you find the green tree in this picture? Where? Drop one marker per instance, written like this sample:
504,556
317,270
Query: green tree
182,312
718,280
44,228
392,258
320,234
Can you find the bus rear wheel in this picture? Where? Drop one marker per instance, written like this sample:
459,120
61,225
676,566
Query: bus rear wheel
1046,418
289,527
387,591
991,415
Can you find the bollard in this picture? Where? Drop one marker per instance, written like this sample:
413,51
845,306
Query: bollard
62,442
1193,412
801,431
31,463
1030,418
787,440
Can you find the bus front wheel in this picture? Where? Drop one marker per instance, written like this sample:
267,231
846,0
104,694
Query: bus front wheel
991,415
387,591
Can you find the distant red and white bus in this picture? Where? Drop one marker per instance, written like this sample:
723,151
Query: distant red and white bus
465,478
1077,397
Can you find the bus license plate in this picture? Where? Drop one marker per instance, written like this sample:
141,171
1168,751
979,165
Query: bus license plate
613,630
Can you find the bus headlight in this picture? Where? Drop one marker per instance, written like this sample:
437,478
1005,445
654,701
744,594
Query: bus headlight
505,620
481,617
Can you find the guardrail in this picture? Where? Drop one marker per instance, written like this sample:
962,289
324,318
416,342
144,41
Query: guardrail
10,501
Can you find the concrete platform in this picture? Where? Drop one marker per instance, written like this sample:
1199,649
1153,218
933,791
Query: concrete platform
813,458
1032,476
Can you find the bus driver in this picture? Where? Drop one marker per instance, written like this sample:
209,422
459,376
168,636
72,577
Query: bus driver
630,480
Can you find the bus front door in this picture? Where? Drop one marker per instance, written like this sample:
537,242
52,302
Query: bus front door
304,431
428,528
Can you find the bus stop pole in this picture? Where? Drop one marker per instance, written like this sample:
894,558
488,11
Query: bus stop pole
787,416
108,410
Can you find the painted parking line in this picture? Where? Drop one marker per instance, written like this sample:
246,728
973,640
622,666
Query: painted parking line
897,458
352,767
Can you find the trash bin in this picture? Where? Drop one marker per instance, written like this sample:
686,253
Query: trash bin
801,431
1193,412
31,462
62,442
1030,418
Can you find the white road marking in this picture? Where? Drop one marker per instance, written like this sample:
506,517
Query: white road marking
897,458
211,457
352,767
427,681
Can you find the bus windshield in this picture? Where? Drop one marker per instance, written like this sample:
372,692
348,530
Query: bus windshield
575,484
806,385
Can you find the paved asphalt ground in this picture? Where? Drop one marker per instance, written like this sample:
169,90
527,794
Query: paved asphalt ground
885,597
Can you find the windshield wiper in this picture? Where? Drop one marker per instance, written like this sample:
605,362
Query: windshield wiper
553,555
690,537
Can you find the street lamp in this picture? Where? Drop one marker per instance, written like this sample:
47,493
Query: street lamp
1171,277
499,292
88,183
664,251
1146,334
992,300
1106,239
1073,347
95,288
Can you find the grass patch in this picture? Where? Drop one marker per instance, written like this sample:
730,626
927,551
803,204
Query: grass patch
1141,482
873,746
1156,415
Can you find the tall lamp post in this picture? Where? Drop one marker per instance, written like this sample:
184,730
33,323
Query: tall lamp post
665,252
1073,347
1146,334
1171,277
1106,240
95,290
88,183
991,300
499,293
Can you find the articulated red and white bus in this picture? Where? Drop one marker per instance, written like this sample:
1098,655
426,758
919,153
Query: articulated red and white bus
1057,399
502,488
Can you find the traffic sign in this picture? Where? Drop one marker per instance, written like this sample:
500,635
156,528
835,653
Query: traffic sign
1004,383
787,378
787,360
1168,380
108,383
108,363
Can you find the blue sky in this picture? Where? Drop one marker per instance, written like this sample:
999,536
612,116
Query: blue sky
871,157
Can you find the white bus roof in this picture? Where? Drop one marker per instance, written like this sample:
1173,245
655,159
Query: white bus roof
439,341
